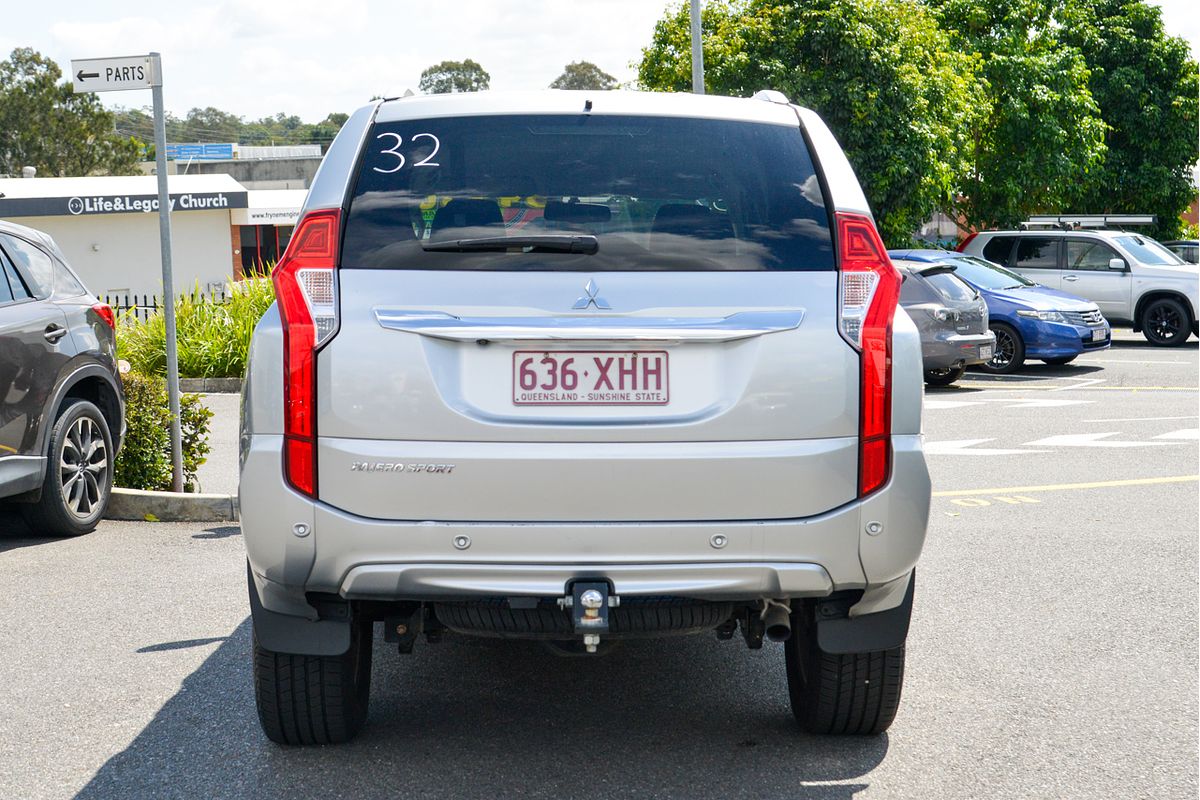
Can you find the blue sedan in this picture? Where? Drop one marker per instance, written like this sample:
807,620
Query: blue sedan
1030,321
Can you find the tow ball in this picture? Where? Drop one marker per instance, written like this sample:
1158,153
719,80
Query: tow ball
589,604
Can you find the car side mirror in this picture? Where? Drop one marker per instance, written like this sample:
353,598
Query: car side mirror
1116,263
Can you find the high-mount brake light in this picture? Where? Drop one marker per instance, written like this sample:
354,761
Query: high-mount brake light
870,289
306,290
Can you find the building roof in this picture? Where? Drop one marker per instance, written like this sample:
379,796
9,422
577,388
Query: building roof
15,188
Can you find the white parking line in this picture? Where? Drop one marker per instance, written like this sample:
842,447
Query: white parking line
1188,434
1129,361
1079,384
1143,419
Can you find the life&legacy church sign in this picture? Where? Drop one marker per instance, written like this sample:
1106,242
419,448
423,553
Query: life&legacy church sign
90,205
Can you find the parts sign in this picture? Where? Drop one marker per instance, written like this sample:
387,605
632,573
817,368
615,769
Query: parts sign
115,74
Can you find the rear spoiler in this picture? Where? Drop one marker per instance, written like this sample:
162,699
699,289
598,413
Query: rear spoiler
936,269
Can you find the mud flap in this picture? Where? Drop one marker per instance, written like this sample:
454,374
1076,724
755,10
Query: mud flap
883,630
294,635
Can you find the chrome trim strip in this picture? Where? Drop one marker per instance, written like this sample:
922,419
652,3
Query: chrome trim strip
439,325
739,580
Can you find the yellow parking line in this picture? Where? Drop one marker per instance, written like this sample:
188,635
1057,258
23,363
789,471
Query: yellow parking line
1057,487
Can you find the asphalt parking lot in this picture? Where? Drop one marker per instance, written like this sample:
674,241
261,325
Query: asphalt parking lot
1053,651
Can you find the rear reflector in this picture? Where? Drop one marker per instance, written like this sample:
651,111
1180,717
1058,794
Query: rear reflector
305,289
870,289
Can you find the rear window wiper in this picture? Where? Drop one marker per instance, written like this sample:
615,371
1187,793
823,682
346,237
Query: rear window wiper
547,243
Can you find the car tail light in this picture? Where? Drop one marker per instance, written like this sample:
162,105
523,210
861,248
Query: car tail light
306,290
962,246
870,289
106,313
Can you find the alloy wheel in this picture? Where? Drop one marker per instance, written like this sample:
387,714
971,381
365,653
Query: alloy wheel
1164,321
83,468
1006,348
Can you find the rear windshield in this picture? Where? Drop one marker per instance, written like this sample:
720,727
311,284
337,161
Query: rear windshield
586,193
950,287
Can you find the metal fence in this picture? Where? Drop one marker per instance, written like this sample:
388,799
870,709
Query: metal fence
143,306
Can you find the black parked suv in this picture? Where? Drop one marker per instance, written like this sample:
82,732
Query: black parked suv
61,404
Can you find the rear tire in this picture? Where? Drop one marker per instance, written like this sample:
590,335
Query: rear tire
79,470
1009,355
1165,322
943,377
842,693
314,699
1058,362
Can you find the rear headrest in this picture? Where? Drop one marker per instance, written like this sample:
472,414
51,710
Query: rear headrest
689,219
467,213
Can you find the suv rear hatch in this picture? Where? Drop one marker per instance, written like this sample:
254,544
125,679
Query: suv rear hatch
583,318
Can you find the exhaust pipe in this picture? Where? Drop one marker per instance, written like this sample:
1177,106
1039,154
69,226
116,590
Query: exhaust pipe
777,622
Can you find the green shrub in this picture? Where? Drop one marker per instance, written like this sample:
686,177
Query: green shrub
213,338
145,459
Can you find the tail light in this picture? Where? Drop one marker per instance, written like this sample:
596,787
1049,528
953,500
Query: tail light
963,244
106,313
870,291
306,291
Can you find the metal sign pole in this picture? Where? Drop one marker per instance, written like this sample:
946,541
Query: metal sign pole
697,51
164,231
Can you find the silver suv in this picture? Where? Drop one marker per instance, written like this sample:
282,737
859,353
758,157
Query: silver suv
575,367
1132,278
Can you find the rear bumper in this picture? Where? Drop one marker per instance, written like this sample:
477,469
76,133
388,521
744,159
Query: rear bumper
361,558
955,350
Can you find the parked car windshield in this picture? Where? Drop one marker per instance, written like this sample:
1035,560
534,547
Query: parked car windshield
586,193
986,275
1148,251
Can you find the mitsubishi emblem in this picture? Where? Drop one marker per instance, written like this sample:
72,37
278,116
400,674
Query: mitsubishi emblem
591,298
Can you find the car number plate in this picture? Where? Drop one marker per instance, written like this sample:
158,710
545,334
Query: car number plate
985,352
590,378
1099,334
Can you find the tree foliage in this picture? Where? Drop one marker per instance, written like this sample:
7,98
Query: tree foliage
884,77
584,75
1145,84
1040,136
44,124
454,76
213,125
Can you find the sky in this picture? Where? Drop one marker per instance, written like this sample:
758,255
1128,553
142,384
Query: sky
256,58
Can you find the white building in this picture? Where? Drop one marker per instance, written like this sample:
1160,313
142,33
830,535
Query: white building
108,227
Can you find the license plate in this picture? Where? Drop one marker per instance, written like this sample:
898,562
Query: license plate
985,352
1099,335
590,378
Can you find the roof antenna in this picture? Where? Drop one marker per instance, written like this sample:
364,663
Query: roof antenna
587,106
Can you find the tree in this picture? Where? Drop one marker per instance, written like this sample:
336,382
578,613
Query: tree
584,75
44,124
1040,136
1144,83
900,99
454,76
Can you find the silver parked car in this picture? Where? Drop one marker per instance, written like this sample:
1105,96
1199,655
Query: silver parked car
952,319
581,366
1133,279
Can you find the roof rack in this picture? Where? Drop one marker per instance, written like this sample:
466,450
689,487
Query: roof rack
1074,221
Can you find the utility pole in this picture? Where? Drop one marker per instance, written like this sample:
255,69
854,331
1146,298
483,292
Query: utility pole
697,51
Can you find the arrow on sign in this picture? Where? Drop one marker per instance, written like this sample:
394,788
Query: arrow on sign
1090,440
966,447
81,75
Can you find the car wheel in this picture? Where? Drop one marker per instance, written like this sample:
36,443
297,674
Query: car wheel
1165,322
1009,355
943,377
842,693
79,470
1058,362
314,699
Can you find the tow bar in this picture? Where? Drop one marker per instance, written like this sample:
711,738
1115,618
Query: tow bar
589,603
